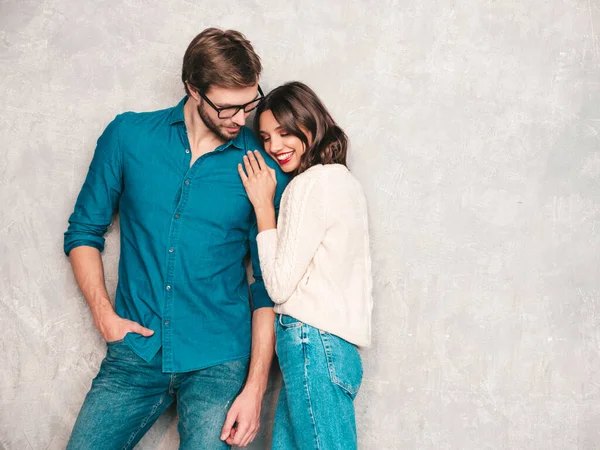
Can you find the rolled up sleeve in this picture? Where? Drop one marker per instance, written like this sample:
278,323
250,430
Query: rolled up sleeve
100,193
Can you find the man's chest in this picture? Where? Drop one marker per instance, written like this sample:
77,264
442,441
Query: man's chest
208,192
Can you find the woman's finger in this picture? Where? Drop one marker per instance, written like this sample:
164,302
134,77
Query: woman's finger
253,162
261,160
243,175
273,174
248,166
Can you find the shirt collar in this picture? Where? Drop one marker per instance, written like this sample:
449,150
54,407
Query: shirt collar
177,117
177,112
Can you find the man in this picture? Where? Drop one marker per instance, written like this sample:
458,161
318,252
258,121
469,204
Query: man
181,328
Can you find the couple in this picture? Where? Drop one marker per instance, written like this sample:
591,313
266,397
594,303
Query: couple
196,193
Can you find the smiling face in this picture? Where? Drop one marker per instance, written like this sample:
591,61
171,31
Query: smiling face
285,148
297,130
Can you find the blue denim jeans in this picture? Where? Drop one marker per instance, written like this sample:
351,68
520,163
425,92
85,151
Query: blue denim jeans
129,394
321,377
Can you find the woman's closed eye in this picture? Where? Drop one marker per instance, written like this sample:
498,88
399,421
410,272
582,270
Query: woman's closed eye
267,139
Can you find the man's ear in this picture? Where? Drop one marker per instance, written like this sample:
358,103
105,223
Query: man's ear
193,91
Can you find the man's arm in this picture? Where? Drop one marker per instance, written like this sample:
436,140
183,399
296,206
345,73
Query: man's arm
84,239
245,410
89,274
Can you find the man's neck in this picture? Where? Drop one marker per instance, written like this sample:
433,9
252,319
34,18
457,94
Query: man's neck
202,139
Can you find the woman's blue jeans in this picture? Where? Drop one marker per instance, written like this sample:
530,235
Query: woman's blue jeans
321,377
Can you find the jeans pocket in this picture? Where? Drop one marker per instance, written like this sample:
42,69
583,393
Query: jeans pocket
343,362
288,321
118,341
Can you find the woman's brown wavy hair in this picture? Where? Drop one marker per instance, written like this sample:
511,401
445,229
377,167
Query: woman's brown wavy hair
299,111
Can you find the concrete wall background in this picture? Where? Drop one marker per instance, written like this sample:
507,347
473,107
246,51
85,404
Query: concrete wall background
475,131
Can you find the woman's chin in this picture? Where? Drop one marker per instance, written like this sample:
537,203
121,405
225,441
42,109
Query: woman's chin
289,168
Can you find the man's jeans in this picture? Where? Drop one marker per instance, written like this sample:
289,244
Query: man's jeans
129,394
321,377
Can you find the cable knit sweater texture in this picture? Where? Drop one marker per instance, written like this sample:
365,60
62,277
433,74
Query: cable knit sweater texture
316,265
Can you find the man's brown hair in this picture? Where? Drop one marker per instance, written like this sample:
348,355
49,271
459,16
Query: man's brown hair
221,58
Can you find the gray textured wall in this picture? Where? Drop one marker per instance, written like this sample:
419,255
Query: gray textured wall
475,130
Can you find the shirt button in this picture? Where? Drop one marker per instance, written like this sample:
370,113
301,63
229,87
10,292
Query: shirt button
187,150
166,322
187,181
168,288
177,216
171,250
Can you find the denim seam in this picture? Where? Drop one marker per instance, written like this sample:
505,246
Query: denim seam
145,421
304,335
171,382
331,367
287,326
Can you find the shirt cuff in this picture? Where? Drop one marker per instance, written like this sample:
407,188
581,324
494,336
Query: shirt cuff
260,297
97,243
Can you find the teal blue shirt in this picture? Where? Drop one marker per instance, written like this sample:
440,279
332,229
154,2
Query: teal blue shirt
185,232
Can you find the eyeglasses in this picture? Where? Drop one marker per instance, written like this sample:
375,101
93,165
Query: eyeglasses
230,111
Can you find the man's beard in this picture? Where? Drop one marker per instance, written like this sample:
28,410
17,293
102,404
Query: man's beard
220,130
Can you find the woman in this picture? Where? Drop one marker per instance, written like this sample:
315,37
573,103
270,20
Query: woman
316,267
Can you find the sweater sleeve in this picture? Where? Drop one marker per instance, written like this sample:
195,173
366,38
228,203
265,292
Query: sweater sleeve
286,252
